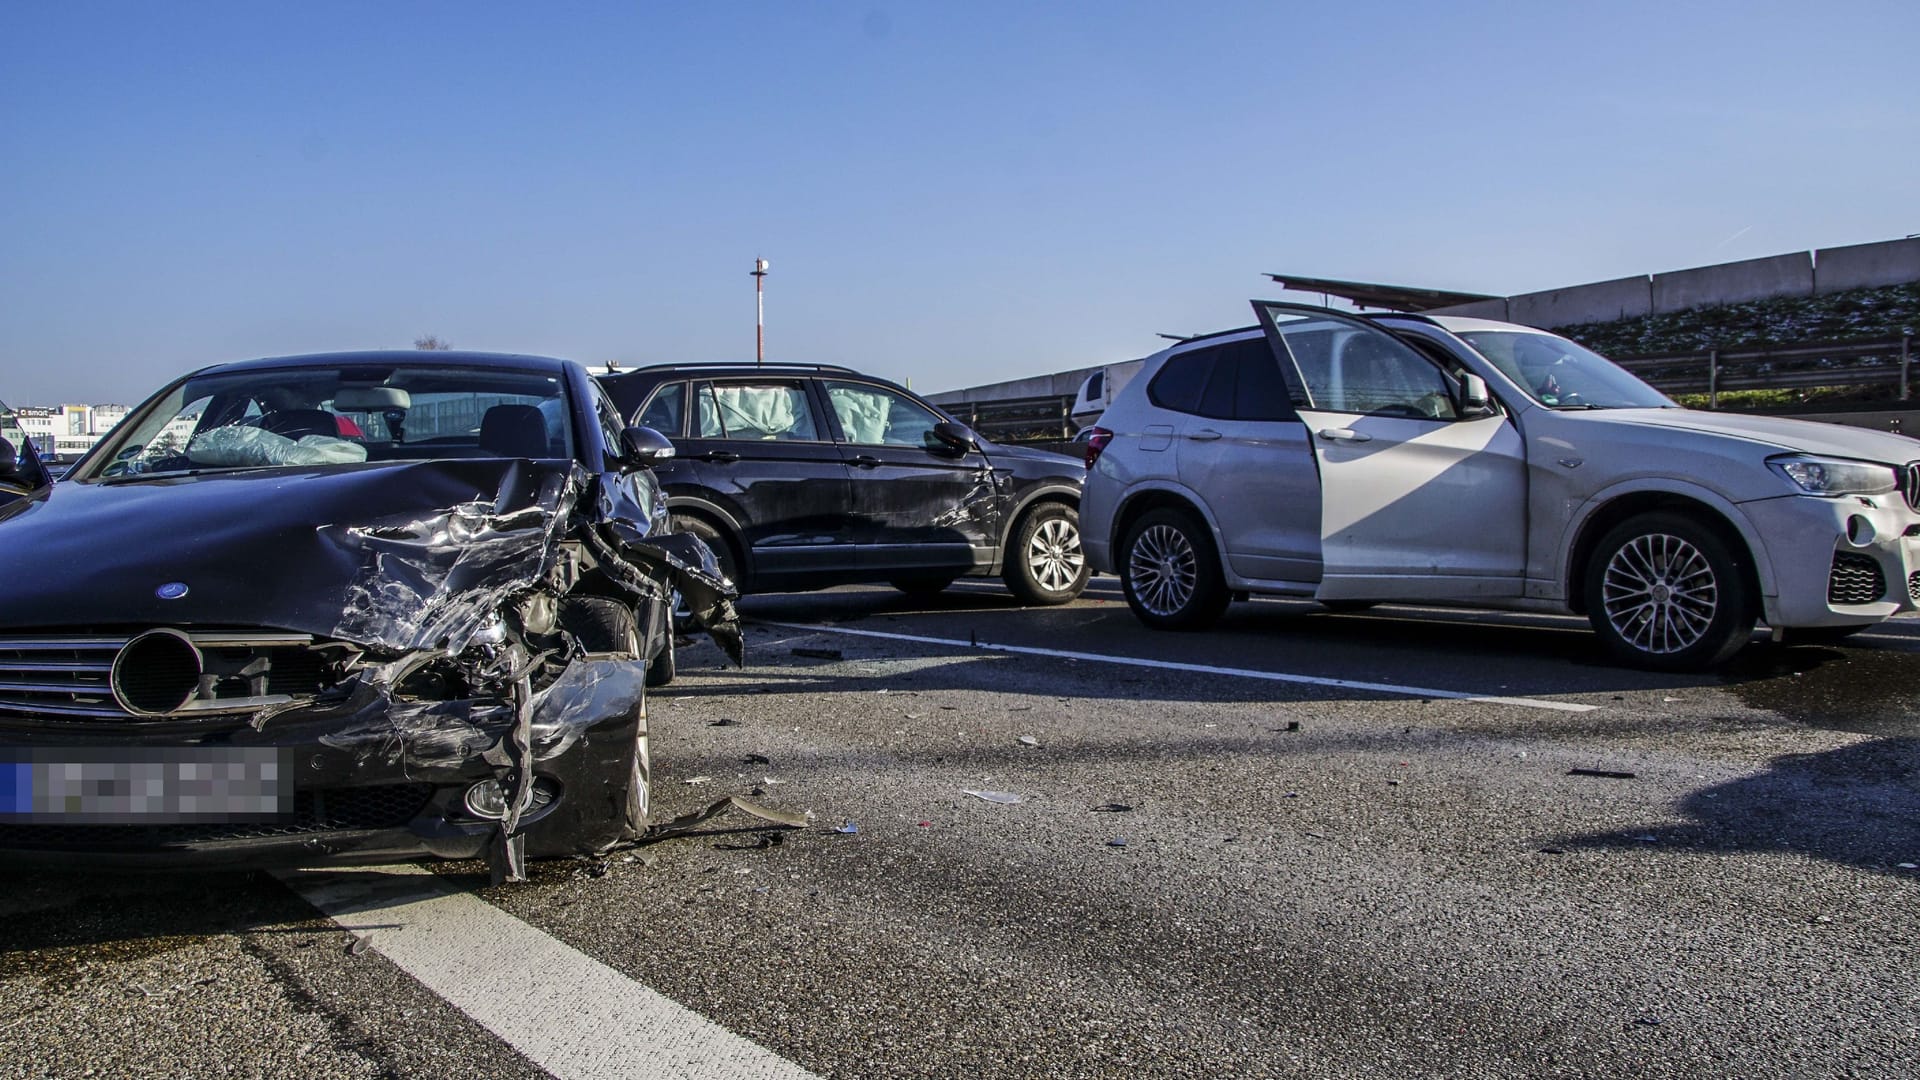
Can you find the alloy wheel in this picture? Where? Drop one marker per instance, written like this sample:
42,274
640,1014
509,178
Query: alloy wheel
1660,593
1162,567
1053,554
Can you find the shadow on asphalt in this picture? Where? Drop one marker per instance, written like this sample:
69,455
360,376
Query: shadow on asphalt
1858,805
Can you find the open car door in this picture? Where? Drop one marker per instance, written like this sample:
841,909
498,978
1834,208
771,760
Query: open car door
1419,500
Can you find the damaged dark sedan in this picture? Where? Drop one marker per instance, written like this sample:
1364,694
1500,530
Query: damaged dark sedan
346,608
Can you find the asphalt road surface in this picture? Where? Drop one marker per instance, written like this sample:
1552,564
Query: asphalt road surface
1301,844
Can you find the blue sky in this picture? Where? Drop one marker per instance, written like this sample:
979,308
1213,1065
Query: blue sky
950,194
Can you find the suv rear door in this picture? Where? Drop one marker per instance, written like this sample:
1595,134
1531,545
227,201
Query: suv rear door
763,452
1416,501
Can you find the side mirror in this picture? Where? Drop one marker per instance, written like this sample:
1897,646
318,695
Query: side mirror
956,438
643,447
1475,400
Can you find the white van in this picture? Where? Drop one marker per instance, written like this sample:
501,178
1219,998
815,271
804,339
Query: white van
1098,390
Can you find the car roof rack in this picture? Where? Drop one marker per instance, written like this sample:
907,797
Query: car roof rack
739,365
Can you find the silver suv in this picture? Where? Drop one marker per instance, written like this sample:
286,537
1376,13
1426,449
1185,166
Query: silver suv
1361,459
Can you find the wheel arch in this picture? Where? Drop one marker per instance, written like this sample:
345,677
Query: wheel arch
719,518
1146,500
1710,511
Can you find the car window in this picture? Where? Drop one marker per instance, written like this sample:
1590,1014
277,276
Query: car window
753,410
1357,369
877,416
1178,383
666,411
605,411
321,415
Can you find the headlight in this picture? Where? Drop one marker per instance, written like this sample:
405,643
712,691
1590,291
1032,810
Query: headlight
1836,476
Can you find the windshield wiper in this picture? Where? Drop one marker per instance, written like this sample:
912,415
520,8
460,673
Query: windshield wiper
128,478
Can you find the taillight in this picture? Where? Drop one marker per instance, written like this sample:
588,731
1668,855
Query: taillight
1097,442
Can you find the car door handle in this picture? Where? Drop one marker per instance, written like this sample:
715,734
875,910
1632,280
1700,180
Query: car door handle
1203,435
864,461
1343,434
722,456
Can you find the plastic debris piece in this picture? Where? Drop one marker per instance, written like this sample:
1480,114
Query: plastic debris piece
1553,851
360,944
1393,783
1910,866
725,721
697,780
756,759
1293,725
818,654
849,828
926,824
1111,808
1028,740
1004,797
1291,795
686,822
1118,841
1610,774
1648,838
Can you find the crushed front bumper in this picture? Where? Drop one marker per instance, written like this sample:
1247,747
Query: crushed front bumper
1838,561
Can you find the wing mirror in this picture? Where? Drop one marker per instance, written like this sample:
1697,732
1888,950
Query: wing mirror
643,448
954,437
1476,400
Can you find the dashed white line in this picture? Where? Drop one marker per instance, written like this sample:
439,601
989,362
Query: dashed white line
1200,669
565,1011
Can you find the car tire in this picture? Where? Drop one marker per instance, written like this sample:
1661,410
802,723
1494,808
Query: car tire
723,551
1821,635
1666,593
660,669
1170,572
924,586
602,624
1045,563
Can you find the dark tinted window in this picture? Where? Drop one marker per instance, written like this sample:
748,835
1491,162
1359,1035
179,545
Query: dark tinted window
1217,400
1178,384
1260,393
667,412
1094,382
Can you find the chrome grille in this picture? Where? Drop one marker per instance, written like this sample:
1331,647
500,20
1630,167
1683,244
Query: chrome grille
1910,484
1855,579
71,675
58,676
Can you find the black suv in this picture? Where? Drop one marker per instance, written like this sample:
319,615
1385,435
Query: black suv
806,476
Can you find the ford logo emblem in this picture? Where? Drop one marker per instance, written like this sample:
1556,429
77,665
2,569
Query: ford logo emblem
172,590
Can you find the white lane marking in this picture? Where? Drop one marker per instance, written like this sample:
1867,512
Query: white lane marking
1200,669
567,1012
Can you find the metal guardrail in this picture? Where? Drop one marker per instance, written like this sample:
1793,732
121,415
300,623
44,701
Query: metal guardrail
1022,420
1818,364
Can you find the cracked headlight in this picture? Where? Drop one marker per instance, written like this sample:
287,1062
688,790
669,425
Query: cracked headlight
1835,476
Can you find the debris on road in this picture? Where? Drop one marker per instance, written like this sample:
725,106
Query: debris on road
818,654
1111,808
1609,774
725,721
1004,797
1118,841
848,829
756,759
360,944
686,822
696,780
1028,740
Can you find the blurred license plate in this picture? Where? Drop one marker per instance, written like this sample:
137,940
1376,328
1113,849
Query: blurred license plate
117,786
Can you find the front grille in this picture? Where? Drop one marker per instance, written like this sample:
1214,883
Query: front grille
345,809
1910,484
71,675
1855,579
1913,586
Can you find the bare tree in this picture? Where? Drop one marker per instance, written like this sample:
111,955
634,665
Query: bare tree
432,343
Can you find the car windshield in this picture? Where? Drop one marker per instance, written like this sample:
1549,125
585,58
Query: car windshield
307,416
1561,374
